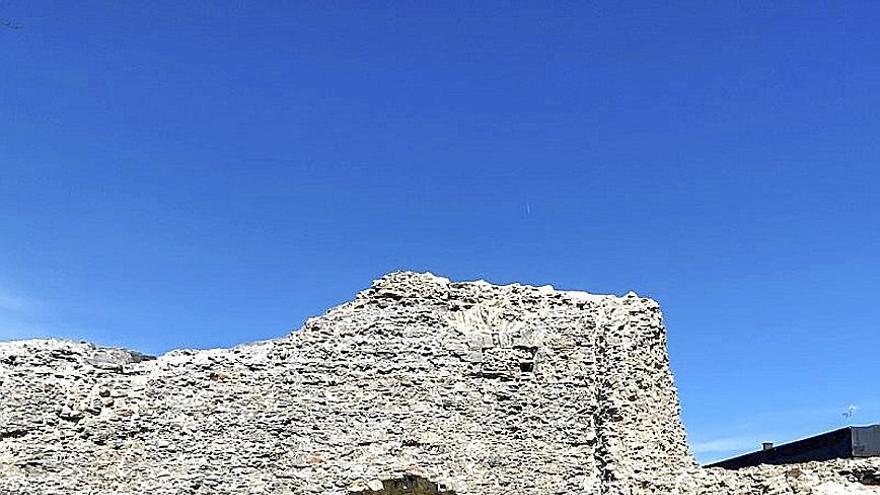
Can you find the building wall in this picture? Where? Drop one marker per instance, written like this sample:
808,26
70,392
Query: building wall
833,445
478,388
866,441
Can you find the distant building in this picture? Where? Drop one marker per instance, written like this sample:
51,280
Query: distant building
845,443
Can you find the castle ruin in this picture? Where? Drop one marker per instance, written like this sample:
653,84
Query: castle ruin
418,386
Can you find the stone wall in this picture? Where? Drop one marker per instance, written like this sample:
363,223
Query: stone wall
465,388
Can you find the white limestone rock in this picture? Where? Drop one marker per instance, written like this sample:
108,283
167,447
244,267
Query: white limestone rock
467,387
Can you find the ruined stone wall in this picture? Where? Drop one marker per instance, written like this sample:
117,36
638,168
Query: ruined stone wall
468,388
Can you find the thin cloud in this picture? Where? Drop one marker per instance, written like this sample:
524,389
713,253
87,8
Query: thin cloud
726,444
10,301
12,329
17,316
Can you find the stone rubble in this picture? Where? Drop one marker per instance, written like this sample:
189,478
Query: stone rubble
464,388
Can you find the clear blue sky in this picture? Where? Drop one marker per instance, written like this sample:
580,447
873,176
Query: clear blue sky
203,174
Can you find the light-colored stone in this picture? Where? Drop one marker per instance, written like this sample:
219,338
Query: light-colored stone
418,381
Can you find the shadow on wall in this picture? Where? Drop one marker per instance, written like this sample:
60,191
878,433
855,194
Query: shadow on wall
407,485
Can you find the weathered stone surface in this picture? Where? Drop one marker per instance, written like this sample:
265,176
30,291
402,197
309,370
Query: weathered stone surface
419,385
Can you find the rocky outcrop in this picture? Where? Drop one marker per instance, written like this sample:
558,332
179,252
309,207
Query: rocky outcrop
419,385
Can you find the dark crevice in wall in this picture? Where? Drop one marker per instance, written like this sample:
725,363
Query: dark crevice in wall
408,485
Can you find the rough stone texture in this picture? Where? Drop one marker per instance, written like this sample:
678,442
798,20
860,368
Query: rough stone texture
418,386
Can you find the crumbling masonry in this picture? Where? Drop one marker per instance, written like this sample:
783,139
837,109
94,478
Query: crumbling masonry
419,386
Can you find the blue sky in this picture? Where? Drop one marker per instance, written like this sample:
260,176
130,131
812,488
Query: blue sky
200,174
